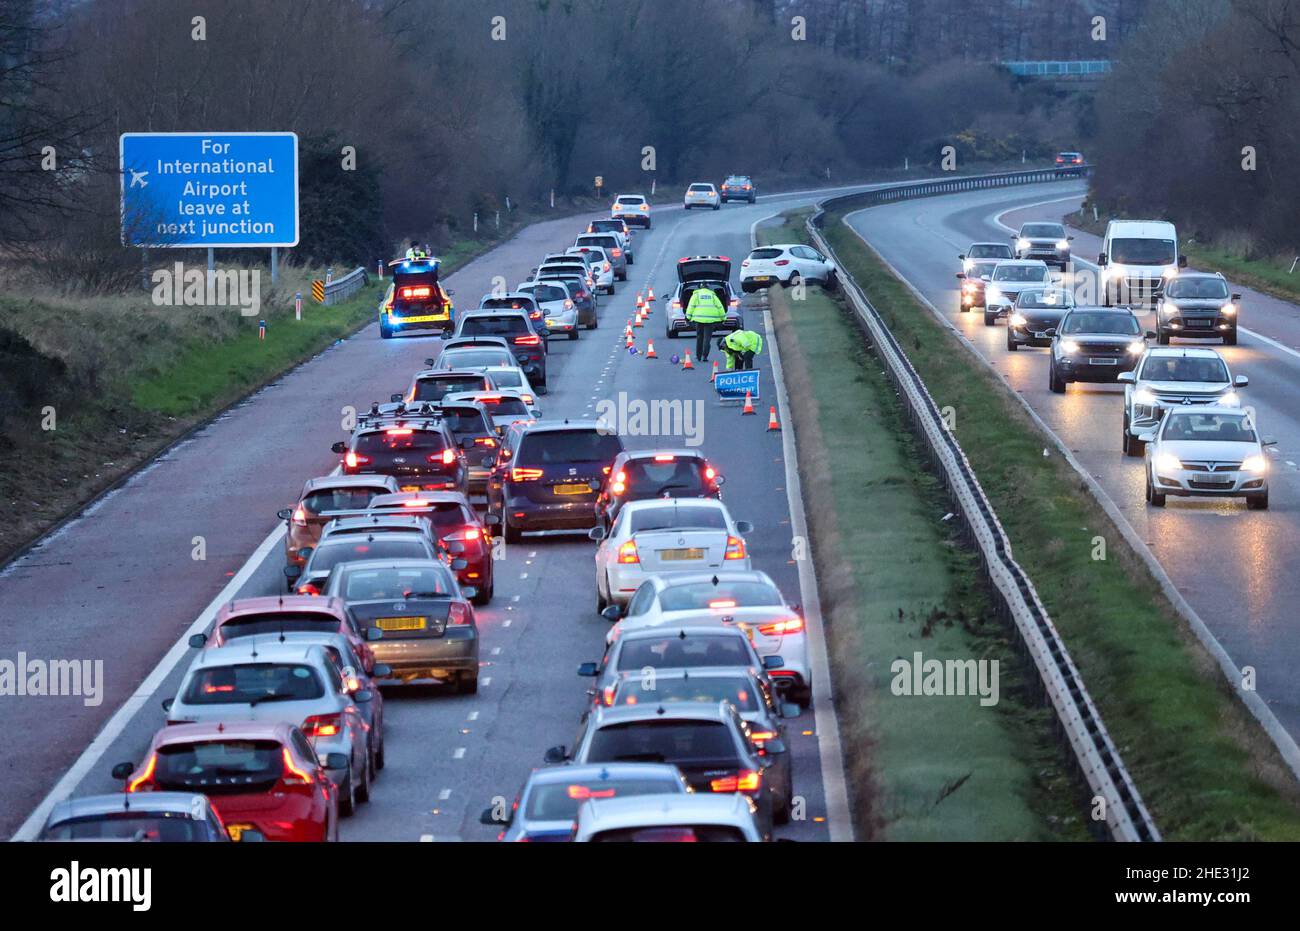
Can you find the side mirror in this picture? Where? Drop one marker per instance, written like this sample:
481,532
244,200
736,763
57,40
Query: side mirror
1101,258
374,633
1050,331
556,754
720,480
743,527
444,334
361,696
458,564
336,761
284,513
251,836
1241,381
491,519
596,533
536,412
1269,441
123,770
198,641
775,746
1236,297
339,448
1147,437
773,662
167,704
381,671
961,257
489,817
1182,261
790,710
469,591
396,398
612,613
428,363
292,572
1149,334
1127,378
961,274
1069,239
589,670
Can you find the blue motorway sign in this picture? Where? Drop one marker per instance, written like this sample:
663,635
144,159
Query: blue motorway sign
223,190
733,385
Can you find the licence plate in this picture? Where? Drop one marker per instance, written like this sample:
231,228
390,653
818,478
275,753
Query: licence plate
550,322
693,552
572,489
236,831
1103,361
762,277
408,488
1199,324
1040,335
427,318
400,623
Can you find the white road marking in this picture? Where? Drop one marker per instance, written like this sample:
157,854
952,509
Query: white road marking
444,795
459,754
485,681
472,716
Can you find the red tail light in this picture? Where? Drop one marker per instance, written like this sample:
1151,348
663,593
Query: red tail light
616,252
791,625
352,460
677,303
458,615
525,475
747,780
293,774
619,485
735,548
399,431
710,473
745,264
300,516
322,725
416,292
530,340
665,457
782,262
144,782
627,554
607,695
484,441
722,603
446,457
469,533
582,792
308,588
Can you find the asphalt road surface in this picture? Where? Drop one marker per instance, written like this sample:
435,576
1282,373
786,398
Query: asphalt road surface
1237,568
120,583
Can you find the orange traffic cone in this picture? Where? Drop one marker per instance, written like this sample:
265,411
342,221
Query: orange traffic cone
630,341
637,320
650,350
714,376
771,419
649,298
749,404
640,301
687,365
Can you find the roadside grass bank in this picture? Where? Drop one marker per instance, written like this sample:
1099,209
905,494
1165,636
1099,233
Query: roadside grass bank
1235,255
895,581
1205,769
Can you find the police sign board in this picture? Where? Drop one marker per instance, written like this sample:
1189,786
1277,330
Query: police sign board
731,386
209,190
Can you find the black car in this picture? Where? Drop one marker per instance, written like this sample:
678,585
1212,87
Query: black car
1197,305
1034,314
516,328
1069,163
471,426
548,474
1046,241
738,187
419,452
1094,344
415,300
655,473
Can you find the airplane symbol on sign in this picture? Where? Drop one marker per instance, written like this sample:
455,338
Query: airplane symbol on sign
137,178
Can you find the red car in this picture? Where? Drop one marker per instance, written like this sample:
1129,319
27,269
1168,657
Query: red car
458,528
247,617
258,775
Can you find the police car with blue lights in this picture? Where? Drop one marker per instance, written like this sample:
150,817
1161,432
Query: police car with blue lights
415,300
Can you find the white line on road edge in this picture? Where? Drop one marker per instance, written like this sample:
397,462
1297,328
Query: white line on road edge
1285,743
839,818
95,751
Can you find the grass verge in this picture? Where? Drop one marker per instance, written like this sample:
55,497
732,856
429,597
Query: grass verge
1205,769
894,582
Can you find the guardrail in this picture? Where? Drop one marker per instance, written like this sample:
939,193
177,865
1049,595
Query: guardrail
1099,762
897,192
342,288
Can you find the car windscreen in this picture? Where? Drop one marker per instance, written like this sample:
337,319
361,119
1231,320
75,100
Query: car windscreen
562,446
1104,323
673,652
1197,289
253,682
1042,231
328,500
475,358
274,622
163,827
640,690
1142,251
465,421
546,293
982,270
435,389
510,325
559,801
400,439
329,555
647,478
1212,428
1020,273
380,584
662,742
1184,368
693,596
1045,299
989,251
678,517
220,767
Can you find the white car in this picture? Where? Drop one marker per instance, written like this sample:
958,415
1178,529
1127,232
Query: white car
730,598
702,194
552,298
632,209
721,817
505,405
1166,378
511,376
665,535
787,264
602,269
1207,452
1007,281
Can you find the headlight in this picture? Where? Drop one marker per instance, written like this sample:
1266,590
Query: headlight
1062,244
967,265
1137,346
993,296
1228,309
1171,272
1111,272
1017,320
1069,346
1230,399
1167,462
1254,464
1022,243
1144,397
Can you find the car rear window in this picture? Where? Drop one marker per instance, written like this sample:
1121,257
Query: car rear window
560,801
435,389
674,652
548,292
500,405
701,595
676,833
248,625
648,479
327,556
561,446
702,187
605,242
327,500
228,685
510,325
401,439
765,253
475,358
508,378
989,251
678,517
465,421
219,767
662,742
631,199
640,690
380,584
171,827
1020,273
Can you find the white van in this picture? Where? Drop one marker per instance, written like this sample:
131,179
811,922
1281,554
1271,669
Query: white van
1136,258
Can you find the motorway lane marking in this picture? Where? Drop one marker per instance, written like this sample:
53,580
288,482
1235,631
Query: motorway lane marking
444,795
459,754
472,716
485,681
117,724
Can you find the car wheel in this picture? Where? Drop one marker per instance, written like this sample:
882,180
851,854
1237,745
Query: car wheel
380,759
1054,381
483,597
1230,338
1162,337
512,534
990,319
831,281
1012,345
467,684
781,811
1132,445
385,332
1154,498
573,334
717,206
794,280
1258,502
363,788
631,260
347,797
540,388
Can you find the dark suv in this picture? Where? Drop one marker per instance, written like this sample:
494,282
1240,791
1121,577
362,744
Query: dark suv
1197,305
655,473
738,187
548,474
420,453
516,328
